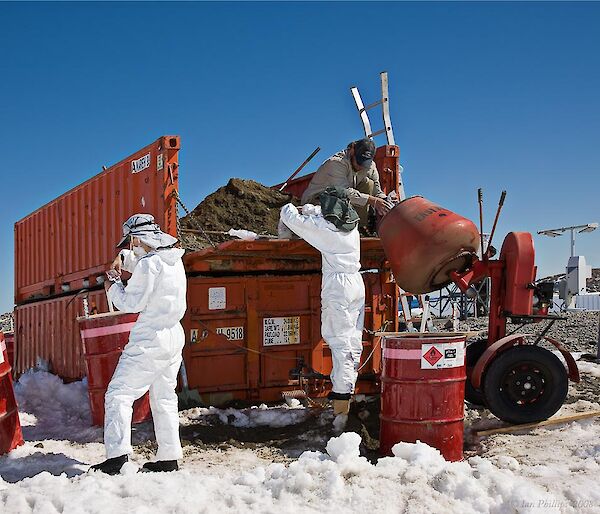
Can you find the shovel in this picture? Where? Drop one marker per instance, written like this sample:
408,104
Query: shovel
188,398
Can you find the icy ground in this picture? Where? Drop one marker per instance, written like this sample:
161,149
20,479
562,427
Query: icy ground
231,464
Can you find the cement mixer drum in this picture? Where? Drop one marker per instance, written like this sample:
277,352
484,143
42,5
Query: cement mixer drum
425,242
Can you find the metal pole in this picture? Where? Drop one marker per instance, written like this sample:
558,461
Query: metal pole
572,243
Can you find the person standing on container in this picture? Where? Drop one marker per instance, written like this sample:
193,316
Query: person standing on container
151,359
332,229
354,170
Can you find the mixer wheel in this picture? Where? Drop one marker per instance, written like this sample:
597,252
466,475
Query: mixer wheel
474,351
525,384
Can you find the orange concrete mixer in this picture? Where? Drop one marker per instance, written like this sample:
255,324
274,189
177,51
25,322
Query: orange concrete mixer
425,243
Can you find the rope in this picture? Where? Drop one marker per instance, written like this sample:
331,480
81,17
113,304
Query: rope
250,350
202,231
376,344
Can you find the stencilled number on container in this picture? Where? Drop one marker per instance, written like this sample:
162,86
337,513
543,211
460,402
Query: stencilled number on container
159,162
280,331
140,164
232,333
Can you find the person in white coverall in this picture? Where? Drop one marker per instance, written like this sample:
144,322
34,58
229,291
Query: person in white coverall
151,359
342,286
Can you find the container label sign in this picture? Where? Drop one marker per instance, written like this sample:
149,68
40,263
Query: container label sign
232,333
140,164
281,331
159,162
217,298
443,355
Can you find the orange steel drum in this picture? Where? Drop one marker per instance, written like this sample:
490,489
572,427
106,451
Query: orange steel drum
423,391
104,336
425,242
10,427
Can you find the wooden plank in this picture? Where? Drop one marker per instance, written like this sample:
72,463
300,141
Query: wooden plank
551,421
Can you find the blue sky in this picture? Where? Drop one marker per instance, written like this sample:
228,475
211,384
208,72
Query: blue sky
492,95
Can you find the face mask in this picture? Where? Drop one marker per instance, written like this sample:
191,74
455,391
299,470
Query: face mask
138,251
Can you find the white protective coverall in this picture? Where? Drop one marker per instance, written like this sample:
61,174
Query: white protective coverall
152,357
342,290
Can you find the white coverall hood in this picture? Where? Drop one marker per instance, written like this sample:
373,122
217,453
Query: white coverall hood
151,359
342,290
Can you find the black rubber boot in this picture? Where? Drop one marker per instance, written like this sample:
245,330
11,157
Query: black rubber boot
161,465
111,466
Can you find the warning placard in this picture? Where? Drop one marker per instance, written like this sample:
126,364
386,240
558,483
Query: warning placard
280,331
443,355
217,298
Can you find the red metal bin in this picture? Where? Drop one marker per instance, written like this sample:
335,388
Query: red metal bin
423,391
104,336
10,427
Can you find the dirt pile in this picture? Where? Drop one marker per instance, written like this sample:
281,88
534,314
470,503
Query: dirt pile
241,204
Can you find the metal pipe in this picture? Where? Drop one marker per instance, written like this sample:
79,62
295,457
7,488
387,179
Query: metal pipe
480,200
572,243
500,204
308,159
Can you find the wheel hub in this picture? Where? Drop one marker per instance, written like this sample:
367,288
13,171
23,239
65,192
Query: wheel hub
524,383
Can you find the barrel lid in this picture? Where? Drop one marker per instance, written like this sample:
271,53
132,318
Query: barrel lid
396,335
101,315
395,339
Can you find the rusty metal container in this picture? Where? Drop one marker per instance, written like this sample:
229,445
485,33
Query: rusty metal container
48,330
271,287
423,391
425,242
104,336
10,427
248,336
66,244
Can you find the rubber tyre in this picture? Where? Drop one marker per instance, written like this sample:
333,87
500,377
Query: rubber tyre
474,351
507,377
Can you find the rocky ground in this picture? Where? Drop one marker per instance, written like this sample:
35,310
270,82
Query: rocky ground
5,322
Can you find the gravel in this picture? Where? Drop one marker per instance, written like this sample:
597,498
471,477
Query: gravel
6,322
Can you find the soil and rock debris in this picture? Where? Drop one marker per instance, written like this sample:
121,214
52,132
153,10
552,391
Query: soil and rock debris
241,204
6,323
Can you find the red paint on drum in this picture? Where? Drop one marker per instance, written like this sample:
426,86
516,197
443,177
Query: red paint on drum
10,427
104,336
418,401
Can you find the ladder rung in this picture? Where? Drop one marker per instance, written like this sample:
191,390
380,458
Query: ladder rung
374,104
378,132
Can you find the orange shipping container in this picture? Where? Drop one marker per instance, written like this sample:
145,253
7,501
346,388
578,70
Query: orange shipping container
66,244
48,330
